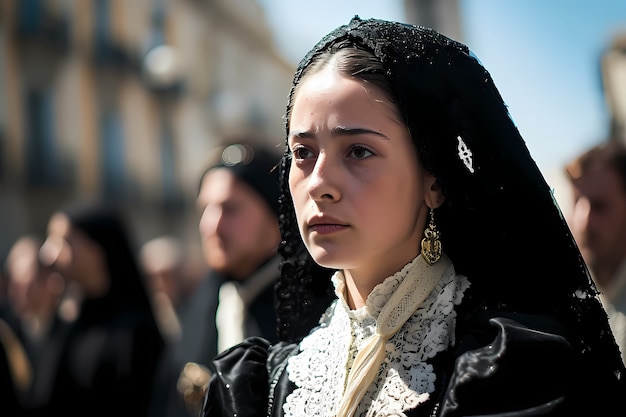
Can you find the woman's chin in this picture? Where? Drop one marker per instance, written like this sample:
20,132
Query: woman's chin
328,258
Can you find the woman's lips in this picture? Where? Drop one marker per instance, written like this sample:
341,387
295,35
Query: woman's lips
327,228
323,224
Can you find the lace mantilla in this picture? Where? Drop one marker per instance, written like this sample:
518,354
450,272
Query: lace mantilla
405,379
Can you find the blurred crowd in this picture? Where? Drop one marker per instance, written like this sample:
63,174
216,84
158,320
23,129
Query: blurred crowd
93,321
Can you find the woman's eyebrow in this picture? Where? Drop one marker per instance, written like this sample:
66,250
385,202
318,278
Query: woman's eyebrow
302,134
339,131
343,130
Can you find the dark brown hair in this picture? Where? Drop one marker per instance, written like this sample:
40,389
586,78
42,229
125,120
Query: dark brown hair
611,154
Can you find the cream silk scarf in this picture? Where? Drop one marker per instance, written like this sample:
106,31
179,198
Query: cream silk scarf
410,294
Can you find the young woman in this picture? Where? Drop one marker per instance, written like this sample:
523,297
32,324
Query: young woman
427,270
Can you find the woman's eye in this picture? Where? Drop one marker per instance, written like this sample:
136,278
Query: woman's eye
302,153
359,152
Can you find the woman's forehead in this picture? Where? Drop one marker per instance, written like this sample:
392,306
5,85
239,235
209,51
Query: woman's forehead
349,98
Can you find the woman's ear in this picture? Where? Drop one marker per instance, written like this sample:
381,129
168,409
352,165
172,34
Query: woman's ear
433,195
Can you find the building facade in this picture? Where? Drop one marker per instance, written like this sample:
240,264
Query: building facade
124,100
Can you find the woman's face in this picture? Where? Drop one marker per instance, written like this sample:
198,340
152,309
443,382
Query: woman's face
358,188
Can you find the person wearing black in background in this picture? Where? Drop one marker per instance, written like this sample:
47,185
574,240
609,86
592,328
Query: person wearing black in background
102,363
238,205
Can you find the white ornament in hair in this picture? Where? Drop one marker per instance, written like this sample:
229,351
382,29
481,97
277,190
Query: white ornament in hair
465,154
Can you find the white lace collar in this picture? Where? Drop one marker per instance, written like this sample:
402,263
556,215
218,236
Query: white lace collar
379,296
405,379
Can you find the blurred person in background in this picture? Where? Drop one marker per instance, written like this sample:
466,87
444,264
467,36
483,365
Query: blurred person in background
238,204
34,292
163,263
16,371
598,222
16,367
102,363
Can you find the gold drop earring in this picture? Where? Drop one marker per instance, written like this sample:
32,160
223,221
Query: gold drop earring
431,245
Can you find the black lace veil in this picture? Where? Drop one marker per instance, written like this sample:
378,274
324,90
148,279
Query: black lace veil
500,224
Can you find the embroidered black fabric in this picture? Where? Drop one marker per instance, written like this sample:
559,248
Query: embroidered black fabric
500,224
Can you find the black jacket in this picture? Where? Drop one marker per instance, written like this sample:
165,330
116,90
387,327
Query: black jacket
504,364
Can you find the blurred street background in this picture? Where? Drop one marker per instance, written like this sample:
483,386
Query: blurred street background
124,99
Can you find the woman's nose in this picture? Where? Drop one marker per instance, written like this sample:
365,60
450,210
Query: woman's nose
324,181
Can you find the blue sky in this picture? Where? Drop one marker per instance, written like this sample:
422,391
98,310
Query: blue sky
542,54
